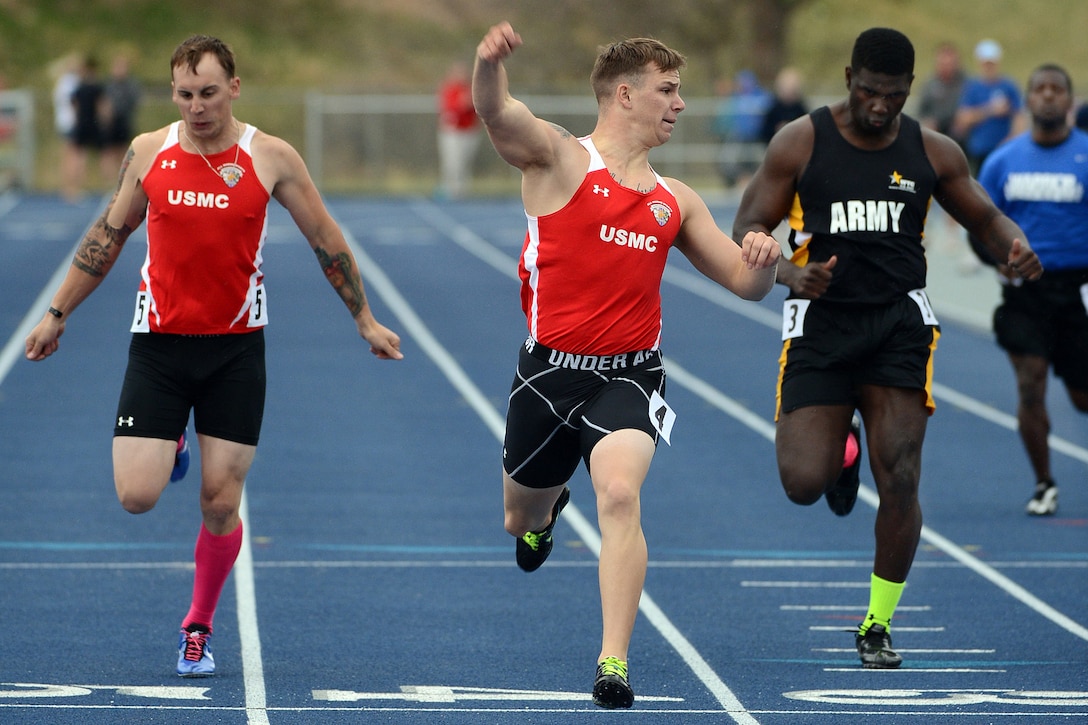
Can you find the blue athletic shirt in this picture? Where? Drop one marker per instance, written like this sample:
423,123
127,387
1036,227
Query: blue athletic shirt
984,138
1042,188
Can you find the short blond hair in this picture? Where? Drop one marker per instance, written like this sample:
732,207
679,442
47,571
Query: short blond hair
627,60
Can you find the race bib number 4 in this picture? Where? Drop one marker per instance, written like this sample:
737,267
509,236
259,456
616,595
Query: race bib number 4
661,415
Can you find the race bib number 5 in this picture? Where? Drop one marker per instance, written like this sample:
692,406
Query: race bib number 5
140,315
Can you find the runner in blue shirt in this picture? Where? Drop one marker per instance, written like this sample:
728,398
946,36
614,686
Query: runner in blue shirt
1038,179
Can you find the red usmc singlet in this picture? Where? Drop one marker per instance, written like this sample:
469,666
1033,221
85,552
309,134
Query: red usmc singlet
591,272
202,274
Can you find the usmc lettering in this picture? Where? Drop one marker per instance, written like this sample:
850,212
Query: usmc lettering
203,199
629,239
865,216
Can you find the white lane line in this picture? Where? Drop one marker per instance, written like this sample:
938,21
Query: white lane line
845,607
252,666
686,379
841,628
15,348
413,325
249,633
853,650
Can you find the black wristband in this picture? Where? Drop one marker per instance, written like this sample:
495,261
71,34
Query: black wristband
56,313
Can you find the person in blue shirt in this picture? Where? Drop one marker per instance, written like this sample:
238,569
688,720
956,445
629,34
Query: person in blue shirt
988,107
738,124
1038,179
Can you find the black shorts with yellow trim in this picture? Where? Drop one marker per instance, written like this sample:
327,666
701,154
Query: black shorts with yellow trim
831,349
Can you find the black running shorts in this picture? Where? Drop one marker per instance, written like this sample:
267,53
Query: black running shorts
831,349
220,378
1047,318
562,405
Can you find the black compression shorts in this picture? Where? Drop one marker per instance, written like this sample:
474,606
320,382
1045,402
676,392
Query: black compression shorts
220,378
562,405
1048,318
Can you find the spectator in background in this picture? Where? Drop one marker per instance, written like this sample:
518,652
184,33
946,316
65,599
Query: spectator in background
941,93
1082,117
788,103
88,100
9,129
940,99
458,131
66,71
9,122
737,124
988,106
122,99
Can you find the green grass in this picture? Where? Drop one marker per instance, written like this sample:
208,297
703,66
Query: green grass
379,46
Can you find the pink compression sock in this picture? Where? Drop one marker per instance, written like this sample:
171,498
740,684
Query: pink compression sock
214,557
851,453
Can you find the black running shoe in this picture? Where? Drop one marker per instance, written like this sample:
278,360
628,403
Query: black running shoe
534,547
611,688
1045,500
875,649
841,496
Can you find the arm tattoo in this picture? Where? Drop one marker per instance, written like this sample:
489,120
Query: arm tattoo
99,249
344,278
124,167
562,131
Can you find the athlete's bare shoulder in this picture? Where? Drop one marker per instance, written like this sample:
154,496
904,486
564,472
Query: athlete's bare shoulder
143,150
276,161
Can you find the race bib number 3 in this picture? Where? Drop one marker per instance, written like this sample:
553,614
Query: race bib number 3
922,300
661,415
793,318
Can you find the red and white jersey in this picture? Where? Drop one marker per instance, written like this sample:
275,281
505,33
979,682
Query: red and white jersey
205,236
591,272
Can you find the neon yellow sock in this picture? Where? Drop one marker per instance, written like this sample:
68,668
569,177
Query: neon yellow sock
883,599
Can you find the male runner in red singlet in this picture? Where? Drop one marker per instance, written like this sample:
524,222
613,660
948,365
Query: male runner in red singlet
203,184
590,382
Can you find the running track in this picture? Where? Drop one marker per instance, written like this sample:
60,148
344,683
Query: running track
376,583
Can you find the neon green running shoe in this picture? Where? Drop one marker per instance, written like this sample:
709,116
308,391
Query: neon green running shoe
611,689
534,547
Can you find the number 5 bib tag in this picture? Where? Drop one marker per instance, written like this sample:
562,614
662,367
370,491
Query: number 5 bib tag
661,415
258,313
793,318
142,313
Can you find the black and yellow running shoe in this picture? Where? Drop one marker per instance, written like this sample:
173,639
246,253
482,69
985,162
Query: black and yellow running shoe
534,547
611,688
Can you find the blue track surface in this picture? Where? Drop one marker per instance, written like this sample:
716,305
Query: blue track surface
377,584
